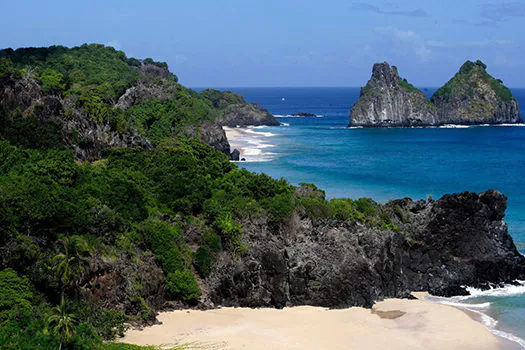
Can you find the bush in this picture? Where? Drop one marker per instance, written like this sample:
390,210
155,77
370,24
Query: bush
279,207
161,238
182,285
203,260
52,82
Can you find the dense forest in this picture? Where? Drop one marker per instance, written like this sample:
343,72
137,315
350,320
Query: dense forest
96,234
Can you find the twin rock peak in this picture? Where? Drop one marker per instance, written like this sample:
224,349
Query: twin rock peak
471,97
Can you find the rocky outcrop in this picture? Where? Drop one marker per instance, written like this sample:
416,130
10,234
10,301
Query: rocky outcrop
440,246
134,285
140,93
389,101
472,96
215,136
87,137
233,110
155,81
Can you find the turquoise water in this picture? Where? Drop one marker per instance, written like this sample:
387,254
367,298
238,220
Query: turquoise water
393,163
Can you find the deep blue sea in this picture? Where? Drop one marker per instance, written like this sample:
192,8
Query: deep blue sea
395,163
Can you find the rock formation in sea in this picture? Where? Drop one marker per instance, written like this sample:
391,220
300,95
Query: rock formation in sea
436,246
387,101
473,96
234,111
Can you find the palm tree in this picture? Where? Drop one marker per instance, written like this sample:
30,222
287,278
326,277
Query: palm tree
71,263
62,323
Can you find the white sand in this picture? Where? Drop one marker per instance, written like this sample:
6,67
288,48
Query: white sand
392,324
232,133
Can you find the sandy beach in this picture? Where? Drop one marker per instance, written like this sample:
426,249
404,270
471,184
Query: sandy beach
252,145
391,324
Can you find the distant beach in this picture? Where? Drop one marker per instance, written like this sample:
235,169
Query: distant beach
253,145
391,324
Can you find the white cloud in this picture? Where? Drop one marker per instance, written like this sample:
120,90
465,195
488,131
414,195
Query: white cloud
407,42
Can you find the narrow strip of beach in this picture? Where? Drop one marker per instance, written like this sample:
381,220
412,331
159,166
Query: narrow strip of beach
390,324
252,145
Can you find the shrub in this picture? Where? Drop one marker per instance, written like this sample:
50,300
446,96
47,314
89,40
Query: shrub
182,285
203,260
161,237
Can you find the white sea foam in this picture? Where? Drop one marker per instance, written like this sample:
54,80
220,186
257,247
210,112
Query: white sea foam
285,124
454,126
507,290
253,144
259,133
480,308
296,116
508,336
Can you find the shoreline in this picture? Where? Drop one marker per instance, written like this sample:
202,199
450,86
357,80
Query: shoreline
252,145
393,324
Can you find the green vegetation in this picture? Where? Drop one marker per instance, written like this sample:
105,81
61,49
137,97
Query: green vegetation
88,246
464,80
160,119
405,84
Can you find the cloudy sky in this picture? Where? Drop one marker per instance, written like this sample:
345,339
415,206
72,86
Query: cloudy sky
286,42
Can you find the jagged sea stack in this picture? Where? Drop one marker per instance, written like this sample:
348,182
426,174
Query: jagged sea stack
389,101
473,96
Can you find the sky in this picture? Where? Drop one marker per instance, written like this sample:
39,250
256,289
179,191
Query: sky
233,43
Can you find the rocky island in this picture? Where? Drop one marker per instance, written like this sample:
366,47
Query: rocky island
471,97
387,100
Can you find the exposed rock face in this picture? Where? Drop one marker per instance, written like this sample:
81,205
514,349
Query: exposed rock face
92,138
140,93
86,137
388,101
19,93
442,245
154,82
472,96
122,283
215,136
235,111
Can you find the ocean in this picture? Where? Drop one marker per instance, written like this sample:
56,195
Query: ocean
394,163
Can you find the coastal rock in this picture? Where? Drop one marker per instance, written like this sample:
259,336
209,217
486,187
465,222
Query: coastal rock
472,96
233,110
389,101
215,136
122,283
235,155
440,246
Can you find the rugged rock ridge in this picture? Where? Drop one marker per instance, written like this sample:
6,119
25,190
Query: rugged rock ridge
440,246
387,100
235,111
87,137
472,96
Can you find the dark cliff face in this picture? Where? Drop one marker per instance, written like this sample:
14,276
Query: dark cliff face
472,96
215,136
387,100
233,110
457,240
